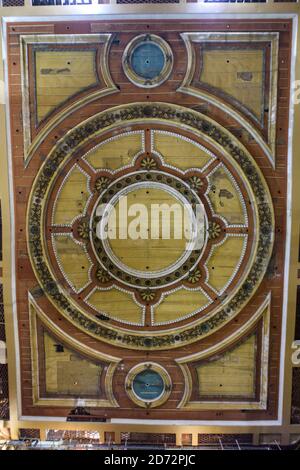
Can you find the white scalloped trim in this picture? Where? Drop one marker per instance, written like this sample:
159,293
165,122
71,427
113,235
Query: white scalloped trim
236,186
173,134
79,216
70,235
109,315
164,294
220,292
111,139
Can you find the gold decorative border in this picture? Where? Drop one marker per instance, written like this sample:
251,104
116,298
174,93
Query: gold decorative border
115,113
30,145
135,78
263,312
35,311
164,375
283,11
185,87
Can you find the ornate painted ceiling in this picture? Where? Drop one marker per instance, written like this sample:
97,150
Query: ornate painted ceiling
193,114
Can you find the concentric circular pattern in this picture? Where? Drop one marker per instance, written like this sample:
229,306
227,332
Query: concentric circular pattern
124,293
148,385
187,255
147,60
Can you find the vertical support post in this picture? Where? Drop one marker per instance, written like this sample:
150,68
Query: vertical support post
178,439
117,437
194,439
43,434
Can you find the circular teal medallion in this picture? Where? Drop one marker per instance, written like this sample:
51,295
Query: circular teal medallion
147,60
148,385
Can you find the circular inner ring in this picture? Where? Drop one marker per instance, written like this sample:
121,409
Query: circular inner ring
134,249
166,236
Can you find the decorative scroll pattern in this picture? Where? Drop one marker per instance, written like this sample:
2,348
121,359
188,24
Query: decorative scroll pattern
179,117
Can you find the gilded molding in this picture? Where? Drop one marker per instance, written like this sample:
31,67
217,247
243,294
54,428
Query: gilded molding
163,374
168,58
34,312
269,147
264,313
140,279
158,113
30,145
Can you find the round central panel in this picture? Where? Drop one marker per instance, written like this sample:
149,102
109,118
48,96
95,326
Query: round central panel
148,233
142,292
148,385
147,60
157,238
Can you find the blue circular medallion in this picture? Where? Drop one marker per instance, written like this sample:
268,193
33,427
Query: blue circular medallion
148,385
147,60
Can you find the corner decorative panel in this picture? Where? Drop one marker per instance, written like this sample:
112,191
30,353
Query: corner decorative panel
60,73
237,72
236,378
65,370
